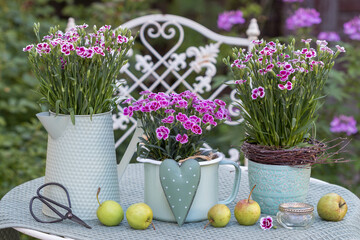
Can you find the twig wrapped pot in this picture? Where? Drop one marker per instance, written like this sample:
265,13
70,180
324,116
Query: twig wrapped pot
280,89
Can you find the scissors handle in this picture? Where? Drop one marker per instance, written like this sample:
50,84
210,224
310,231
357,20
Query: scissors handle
52,201
62,217
47,201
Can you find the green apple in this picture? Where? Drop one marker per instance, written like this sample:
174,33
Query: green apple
332,207
109,213
247,211
139,216
219,215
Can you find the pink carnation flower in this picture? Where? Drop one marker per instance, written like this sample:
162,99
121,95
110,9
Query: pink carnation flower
162,132
266,223
66,48
208,118
257,92
287,86
28,48
241,81
340,49
164,104
128,111
154,105
220,102
99,51
169,119
188,125
145,108
181,117
182,139
182,104
145,92
169,111
43,48
196,129
121,39
103,28
194,119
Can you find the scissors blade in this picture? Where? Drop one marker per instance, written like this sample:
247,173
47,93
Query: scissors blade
74,218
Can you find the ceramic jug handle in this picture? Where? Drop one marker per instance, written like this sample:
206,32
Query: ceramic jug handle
236,185
125,160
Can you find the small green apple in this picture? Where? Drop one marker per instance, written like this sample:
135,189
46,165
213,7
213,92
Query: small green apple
247,211
219,215
139,216
332,207
109,213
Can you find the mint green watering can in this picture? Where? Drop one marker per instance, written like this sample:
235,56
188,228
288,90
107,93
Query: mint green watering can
82,158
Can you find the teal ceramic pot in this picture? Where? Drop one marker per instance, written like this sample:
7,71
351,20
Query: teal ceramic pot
276,184
206,194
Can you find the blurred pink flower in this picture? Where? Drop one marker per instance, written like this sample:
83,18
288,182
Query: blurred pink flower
352,28
329,36
28,47
303,17
346,124
226,20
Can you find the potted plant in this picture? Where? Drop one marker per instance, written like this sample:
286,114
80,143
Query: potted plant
76,71
280,90
175,127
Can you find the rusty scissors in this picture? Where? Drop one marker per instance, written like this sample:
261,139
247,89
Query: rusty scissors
47,201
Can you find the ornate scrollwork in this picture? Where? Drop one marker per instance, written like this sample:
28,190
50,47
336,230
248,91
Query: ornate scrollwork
204,57
178,61
143,62
233,108
204,83
120,121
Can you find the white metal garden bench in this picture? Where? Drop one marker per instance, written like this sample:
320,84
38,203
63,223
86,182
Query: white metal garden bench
199,60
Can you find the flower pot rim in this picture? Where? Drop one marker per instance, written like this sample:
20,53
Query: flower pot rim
220,157
307,165
93,115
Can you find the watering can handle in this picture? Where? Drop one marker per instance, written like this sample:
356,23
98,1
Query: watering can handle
125,160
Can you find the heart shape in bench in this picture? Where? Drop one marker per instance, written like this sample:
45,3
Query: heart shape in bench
180,184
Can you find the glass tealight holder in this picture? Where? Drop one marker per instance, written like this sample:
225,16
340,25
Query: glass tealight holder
295,215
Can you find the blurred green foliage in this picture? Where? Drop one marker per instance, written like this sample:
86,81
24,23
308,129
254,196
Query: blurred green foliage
23,140
343,98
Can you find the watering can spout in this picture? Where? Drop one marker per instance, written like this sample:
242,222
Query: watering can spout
54,125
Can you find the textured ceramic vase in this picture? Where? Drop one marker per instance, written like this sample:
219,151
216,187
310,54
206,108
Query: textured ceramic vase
82,158
206,194
276,184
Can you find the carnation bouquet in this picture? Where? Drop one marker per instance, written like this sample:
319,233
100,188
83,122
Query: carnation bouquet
174,125
280,89
77,70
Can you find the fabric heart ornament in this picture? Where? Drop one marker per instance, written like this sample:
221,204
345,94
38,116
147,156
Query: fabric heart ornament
180,183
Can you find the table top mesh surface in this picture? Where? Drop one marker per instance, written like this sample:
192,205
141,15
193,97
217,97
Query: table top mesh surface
14,212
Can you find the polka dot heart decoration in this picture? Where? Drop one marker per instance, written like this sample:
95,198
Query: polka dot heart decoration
180,183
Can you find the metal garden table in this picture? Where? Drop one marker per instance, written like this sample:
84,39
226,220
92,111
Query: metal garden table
14,213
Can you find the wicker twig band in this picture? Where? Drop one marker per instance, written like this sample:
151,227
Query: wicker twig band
281,156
